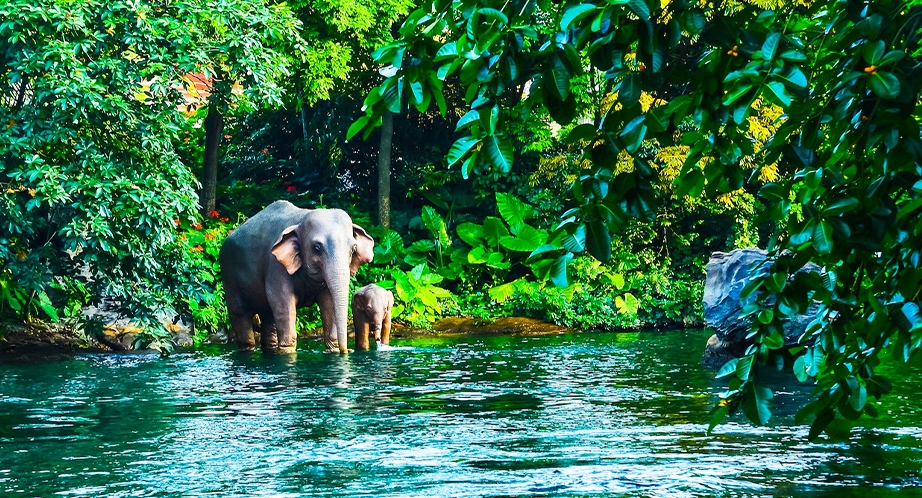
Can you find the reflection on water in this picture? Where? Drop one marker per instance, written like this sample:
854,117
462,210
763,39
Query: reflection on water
577,415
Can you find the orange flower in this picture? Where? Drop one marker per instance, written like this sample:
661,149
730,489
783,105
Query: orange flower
213,214
197,249
225,220
182,236
176,221
209,236
197,226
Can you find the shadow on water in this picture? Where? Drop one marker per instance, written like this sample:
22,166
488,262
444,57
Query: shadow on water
576,415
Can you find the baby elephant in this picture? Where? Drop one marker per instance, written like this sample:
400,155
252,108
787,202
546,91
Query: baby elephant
371,309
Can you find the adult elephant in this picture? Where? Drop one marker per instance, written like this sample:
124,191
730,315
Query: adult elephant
285,258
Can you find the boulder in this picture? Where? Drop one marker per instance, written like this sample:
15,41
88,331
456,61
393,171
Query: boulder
727,275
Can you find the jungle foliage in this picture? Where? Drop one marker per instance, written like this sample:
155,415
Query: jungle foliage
576,162
840,177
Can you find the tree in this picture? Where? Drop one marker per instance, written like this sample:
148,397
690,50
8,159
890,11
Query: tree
246,46
91,186
847,192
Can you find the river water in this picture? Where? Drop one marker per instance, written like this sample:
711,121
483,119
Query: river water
576,415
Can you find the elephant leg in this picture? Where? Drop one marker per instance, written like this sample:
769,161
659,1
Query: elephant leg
361,331
328,317
242,327
268,334
284,311
386,329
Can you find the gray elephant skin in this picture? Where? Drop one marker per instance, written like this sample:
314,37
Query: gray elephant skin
371,312
285,258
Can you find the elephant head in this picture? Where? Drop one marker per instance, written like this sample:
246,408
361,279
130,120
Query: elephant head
324,250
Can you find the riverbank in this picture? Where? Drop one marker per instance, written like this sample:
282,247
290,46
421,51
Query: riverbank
43,338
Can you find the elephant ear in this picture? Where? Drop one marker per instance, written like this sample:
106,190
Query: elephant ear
288,250
364,248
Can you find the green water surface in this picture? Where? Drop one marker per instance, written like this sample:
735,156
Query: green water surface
577,415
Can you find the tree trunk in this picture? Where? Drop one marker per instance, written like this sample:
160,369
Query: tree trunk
214,130
384,169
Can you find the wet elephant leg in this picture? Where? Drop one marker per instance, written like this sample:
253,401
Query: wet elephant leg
284,313
386,329
328,317
268,334
242,327
361,331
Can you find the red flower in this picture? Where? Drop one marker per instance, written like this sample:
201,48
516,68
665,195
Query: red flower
225,220
197,226
292,189
227,137
213,214
266,152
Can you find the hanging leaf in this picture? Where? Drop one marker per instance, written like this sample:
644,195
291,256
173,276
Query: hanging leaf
885,84
559,270
574,14
822,237
498,151
598,240
468,119
770,46
460,148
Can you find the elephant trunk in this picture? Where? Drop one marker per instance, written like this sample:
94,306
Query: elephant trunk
337,276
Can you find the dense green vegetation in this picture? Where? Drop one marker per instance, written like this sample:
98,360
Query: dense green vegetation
573,162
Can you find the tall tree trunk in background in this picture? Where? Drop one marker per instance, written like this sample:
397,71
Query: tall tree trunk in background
214,130
384,169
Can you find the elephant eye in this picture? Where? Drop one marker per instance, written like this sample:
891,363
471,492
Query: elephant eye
318,248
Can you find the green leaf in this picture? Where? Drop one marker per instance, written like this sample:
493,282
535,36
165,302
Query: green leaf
598,240
840,206
498,150
574,14
493,230
460,148
434,222
356,127
770,46
468,119
757,404
513,210
775,340
495,15
728,368
640,8
822,237
585,131
629,89
559,270
873,51
446,51
885,84
470,233
780,94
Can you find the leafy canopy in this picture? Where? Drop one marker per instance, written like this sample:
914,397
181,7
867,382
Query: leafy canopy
845,182
91,186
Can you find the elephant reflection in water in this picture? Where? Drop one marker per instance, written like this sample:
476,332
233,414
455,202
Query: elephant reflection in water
371,312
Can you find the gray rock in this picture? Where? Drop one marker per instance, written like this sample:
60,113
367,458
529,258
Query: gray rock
727,275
